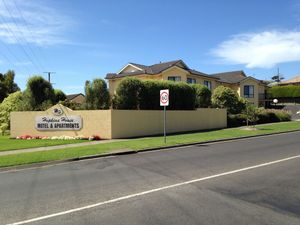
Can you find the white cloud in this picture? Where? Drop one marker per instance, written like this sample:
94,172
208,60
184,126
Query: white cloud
260,50
32,22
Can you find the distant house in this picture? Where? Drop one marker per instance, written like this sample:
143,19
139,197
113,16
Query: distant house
76,98
292,81
246,86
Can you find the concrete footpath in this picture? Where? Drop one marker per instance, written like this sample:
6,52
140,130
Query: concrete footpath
49,148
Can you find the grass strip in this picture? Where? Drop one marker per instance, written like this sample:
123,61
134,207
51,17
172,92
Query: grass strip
144,143
7,144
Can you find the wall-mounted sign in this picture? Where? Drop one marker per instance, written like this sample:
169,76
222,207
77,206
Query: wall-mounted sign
58,123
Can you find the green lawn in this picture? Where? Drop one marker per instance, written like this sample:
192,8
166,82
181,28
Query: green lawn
140,144
7,144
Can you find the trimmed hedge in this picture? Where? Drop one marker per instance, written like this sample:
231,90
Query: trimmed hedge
133,93
203,96
290,91
128,94
264,116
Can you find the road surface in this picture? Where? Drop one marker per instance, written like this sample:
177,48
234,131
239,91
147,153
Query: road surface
249,181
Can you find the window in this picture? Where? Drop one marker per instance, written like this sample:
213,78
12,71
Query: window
174,78
249,91
191,80
207,84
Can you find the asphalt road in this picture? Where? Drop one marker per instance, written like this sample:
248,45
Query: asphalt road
250,181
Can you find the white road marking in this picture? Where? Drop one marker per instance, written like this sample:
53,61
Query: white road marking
153,190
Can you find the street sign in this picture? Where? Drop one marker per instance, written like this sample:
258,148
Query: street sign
164,97
164,101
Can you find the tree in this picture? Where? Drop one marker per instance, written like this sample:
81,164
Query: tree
39,93
97,95
277,78
224,97
59,95
252,113
14,102
7,84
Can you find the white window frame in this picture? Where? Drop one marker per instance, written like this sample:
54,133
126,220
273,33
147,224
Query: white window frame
193,80
174,78
250,93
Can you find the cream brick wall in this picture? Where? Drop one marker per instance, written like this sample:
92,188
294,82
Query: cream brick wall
123,123
132,123
94,122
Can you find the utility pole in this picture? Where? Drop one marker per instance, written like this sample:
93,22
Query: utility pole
49,76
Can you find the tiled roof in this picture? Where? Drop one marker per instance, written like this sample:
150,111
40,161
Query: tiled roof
230,77
292,80
72,96
155,69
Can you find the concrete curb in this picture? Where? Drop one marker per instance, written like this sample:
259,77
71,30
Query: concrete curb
127,152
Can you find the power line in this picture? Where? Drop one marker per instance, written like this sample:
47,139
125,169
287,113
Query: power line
18,40
28,29
13,54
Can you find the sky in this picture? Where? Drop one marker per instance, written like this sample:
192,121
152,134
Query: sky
83,40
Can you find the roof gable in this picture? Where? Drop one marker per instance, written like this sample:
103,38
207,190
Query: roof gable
131,67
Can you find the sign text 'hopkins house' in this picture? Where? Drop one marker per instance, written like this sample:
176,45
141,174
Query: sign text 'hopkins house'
58,123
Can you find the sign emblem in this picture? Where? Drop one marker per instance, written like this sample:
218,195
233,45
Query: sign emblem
57,112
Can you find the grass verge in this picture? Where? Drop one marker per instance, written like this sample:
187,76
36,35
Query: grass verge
143,143
7,144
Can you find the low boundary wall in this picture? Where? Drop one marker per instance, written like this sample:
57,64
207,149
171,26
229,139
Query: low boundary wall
110,124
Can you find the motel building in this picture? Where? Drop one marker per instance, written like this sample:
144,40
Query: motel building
246,86
112,123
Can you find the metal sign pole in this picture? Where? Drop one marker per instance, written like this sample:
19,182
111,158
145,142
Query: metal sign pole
164,101
165,124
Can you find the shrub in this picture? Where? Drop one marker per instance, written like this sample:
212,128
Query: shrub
133,93
263,116
236,120
289,91
150,94
12,103
182,96
224,97
72,105
203,96
128,94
